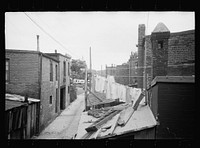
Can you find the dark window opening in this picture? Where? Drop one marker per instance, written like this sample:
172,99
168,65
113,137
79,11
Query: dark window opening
50,100
160,44
64,68
56,72
51,71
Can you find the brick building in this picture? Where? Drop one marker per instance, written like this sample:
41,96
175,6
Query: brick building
164,53
64,77
35,74
126,73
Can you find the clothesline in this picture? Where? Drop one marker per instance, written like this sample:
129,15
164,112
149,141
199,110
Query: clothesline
115,90
135,67
129,76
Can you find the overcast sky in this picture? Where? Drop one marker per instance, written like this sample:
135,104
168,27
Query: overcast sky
111,35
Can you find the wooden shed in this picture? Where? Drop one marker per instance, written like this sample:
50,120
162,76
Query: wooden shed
172,101
21,118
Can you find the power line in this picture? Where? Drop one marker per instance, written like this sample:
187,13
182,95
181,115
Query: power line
48,34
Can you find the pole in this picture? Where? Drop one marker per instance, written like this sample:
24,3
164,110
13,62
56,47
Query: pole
106,70
85,87
90,70
129,74
101,70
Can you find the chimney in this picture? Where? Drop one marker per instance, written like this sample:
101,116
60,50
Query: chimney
141,35
38,49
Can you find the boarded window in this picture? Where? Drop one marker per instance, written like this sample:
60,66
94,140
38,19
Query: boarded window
7,70
51,71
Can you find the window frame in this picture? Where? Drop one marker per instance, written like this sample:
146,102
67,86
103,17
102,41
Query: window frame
160,44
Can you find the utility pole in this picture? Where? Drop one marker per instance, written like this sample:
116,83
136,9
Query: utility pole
101,70
90,70
106,71
129,73
85,86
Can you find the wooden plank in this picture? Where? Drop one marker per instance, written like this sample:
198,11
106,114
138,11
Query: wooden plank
139,100
128,112
28,122
32,119
100,99
95,126
125,116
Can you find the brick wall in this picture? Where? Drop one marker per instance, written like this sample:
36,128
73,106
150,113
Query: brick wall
181,55
64,81
141,35
24,73
122,73
159,54
48,88
181,47
148,60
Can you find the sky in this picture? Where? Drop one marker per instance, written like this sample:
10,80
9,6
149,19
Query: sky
112,36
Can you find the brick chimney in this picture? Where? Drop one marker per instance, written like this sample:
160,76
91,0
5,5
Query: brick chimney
159,41
141,35
38,48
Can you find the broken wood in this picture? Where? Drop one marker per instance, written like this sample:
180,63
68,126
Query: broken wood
135,106
126,114
95,126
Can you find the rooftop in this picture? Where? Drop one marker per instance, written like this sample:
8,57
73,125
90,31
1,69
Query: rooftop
160,27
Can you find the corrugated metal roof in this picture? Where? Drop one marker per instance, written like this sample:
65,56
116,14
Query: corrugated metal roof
160,27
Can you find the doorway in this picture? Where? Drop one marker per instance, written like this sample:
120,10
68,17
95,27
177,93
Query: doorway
62,98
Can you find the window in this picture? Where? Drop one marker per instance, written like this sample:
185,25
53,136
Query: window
68,69
160,44
56,72
64,68
50,100
51,71
7,70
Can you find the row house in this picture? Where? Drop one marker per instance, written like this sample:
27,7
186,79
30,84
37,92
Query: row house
64,77
37,75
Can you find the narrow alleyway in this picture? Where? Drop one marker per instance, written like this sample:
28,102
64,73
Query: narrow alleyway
66,124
